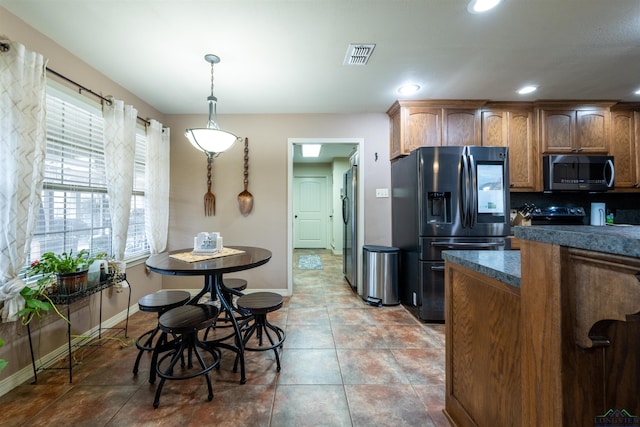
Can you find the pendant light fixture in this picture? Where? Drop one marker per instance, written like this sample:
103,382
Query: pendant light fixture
212,140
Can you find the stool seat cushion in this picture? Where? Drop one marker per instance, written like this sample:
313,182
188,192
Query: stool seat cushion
188,318
163,300
260,302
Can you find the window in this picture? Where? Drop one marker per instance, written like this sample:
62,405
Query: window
74,213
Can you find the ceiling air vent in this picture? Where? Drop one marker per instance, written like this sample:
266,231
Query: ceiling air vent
358,54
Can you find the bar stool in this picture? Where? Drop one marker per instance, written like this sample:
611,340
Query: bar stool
158,302
183,324
257,305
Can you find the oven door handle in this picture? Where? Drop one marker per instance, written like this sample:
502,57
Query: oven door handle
437,268
466,245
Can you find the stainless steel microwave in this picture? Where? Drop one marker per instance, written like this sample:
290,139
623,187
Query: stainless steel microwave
577,173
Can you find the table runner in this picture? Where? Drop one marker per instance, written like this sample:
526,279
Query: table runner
191,257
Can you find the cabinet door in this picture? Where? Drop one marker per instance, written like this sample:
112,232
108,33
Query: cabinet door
592,131
575,131
461,127
395,150
423,128
623,148
558,129
523,157
494,129
513,129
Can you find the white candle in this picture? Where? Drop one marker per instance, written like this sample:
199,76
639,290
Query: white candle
219,243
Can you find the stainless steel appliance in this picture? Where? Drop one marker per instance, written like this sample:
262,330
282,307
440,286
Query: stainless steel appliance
445,198
350,227
577,173
558,215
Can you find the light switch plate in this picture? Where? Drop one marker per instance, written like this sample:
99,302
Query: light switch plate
382,192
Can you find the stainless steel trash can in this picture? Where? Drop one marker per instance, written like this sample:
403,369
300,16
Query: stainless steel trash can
380,275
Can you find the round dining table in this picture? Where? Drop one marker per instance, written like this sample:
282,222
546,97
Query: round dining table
242,258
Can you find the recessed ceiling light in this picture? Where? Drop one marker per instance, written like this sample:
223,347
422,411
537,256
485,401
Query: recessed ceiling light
408,89
637,92
311,150
481,6
527,89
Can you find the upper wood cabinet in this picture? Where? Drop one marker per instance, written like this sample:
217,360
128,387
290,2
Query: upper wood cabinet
575,128
625,140
461,126
433,123
512,125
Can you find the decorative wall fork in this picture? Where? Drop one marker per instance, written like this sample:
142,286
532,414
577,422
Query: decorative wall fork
209,198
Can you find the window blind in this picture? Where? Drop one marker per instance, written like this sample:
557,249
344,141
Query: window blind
74,213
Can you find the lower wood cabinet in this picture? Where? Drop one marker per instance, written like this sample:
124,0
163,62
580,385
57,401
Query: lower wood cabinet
563,349
483,350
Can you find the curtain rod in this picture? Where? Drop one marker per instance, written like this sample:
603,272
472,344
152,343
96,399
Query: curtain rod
82,88
5,47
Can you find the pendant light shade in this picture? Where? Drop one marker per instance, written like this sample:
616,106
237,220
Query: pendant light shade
211,139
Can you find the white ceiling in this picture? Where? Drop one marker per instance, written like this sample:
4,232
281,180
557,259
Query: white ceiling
286,56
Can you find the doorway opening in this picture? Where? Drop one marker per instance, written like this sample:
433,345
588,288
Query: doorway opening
315,189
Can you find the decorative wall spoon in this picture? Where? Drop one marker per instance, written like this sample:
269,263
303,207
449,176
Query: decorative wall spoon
245,199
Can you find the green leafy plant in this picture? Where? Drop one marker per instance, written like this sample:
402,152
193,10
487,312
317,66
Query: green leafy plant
51,264
3,362
48,267
37,303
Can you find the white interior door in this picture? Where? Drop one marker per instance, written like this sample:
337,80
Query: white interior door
310,212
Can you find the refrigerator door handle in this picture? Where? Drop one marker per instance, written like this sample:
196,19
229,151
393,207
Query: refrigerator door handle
473,191
344,209
452,245
463,189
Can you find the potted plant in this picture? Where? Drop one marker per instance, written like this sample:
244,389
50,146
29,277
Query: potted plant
63,273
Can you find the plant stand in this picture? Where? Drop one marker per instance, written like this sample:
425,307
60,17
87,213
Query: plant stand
68,299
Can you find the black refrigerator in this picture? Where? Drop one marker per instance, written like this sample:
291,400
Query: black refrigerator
350,226
445,198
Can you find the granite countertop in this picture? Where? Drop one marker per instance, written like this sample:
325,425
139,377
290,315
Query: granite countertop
617,240
501,265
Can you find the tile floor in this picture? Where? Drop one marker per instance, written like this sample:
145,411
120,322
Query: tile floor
344,363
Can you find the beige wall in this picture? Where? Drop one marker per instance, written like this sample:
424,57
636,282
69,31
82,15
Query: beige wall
266,226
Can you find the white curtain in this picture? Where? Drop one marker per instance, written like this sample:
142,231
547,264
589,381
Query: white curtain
156,193
22,149
119,154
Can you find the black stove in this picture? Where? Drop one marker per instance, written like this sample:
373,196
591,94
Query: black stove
558,215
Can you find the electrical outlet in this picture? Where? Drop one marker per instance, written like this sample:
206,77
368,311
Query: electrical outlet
382,192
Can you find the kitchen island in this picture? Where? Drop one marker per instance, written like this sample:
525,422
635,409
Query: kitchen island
548,335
